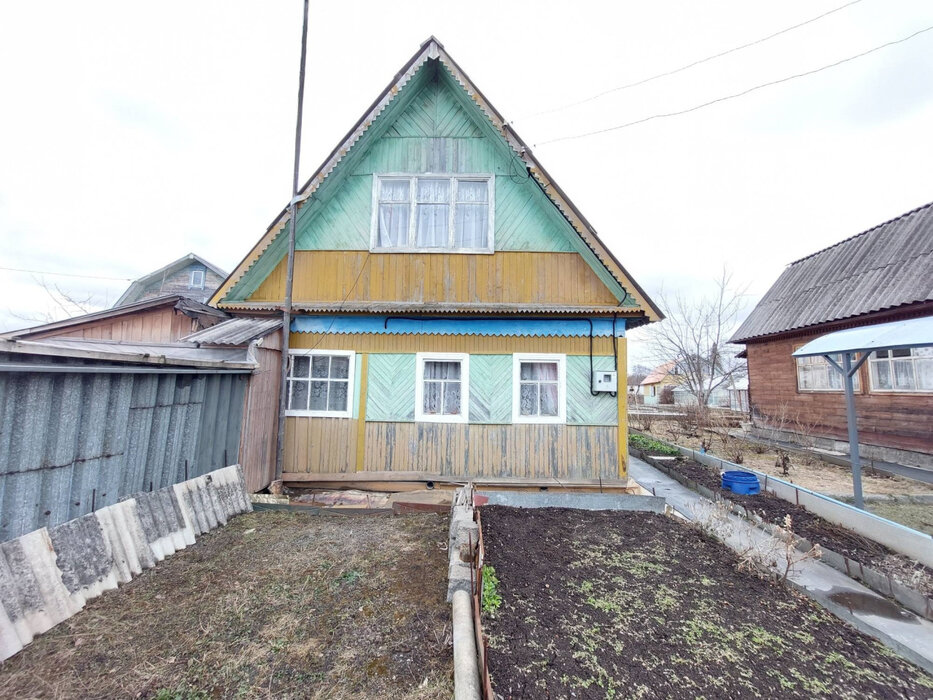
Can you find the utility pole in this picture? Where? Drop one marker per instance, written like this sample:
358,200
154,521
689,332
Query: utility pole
289,278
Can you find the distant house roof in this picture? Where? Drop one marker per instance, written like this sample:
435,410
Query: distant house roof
236,331
189,307
139,285
658,373
885,267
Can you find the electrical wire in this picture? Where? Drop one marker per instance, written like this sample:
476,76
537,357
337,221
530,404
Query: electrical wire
66,274
686,66
785,79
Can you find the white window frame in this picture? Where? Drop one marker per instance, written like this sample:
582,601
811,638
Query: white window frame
192,284
561,361
874,360
489,178
351,383
820,360
464,360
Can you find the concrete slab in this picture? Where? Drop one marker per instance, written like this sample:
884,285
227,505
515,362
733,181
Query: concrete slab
898,629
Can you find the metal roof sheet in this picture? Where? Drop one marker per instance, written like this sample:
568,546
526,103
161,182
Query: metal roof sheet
884,267
236,331
187,354
911,333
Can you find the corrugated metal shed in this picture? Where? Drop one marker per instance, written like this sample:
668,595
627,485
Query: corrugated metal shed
236,331
888,266
73,442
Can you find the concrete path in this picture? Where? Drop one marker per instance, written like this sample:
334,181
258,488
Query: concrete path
907,634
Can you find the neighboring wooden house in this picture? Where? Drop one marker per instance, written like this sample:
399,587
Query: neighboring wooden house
191,277
652,387
449,302
882,274
164,319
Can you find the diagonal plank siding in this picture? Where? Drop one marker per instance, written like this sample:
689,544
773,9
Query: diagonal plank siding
531,451
391,388
582,407
490,388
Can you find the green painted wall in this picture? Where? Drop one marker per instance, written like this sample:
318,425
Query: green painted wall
490,388
391,390
390,386
582,407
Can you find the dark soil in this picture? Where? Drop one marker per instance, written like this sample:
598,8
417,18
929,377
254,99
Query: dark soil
275,604
813,528
637,605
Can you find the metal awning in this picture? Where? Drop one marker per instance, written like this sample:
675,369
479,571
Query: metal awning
912,333
854,346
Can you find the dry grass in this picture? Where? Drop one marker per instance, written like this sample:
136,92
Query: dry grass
276,604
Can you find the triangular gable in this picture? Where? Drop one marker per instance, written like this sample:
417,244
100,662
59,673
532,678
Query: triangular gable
394,114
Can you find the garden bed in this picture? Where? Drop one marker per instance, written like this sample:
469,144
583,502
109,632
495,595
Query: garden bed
772,509
619,604
275,604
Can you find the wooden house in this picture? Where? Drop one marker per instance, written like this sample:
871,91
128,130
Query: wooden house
882,274
453,309
190,276
652,387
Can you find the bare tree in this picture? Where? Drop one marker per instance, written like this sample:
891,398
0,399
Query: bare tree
64,304
694,336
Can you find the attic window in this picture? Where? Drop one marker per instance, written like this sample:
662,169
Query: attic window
433,213
197,279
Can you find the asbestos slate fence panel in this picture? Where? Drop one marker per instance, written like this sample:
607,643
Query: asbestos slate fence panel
70,442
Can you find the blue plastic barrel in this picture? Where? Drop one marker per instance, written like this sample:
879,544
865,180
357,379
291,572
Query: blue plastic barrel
741,482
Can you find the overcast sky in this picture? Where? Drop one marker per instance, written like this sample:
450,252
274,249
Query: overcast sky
132,133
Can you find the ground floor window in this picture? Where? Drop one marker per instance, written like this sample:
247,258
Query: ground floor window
442,389
539,387
816,374
905,369
320,383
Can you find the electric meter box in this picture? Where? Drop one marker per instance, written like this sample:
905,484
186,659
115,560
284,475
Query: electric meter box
605,381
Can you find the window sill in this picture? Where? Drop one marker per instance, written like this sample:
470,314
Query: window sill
318,414
441,419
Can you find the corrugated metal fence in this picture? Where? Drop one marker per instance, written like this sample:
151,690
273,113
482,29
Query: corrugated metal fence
74,442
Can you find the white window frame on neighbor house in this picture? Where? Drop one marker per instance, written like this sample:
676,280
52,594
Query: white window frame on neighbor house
464,359
198,274
350,380
561,360
453,178
914,356
826,370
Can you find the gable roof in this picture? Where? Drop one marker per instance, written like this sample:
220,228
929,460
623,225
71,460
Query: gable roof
170,269
659,373
433,50
189,307
885,267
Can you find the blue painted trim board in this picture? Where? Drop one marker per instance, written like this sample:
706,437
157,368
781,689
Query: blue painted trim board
564,328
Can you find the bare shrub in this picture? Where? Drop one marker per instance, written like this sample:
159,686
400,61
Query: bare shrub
783,462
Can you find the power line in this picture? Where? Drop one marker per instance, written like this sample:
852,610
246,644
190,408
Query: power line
735,95
66,274
689,65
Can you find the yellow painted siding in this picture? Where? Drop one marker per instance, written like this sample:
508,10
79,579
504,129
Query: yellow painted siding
475,344
520,450
320,445
504,277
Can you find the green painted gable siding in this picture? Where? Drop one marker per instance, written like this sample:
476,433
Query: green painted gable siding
490,388
582,407
390,388
436,134
432,126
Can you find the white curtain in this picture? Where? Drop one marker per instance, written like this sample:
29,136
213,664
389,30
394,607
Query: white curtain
394,212
471,216
538,389
433,213
441,388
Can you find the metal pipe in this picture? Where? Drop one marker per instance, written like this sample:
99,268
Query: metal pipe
289,277
853,429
